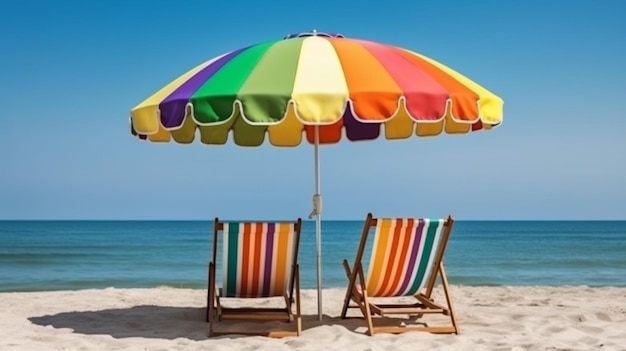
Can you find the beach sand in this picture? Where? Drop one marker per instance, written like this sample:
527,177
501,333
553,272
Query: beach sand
490,318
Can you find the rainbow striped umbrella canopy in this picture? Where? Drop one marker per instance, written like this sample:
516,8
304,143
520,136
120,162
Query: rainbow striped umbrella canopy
319,85
281,89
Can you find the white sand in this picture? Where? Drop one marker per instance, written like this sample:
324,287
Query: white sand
490,318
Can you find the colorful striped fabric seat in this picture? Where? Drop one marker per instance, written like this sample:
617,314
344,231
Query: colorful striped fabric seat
259,260
406,259
402,255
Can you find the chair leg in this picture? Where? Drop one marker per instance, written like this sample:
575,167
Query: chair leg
208,291
446,291
352,274
298,311
346,300
364,303
218,305
288,303
211,298
367,314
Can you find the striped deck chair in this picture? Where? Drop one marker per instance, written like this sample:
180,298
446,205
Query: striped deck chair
406,258
259,260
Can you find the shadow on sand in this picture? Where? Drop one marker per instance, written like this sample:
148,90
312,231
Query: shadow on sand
161,322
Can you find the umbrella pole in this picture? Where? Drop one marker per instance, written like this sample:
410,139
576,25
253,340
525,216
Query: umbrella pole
317,210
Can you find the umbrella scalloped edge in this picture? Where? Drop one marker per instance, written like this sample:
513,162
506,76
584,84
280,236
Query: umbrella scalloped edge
289,131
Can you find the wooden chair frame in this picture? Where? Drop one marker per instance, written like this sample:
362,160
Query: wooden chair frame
424,304
215,308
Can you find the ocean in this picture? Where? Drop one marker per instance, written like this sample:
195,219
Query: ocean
68,255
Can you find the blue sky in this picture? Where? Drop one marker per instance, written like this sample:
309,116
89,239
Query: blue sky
72,70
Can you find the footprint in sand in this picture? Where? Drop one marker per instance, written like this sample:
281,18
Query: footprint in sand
537,303
578,318
503,332
604,317
589,329
554,330
588,340
295,344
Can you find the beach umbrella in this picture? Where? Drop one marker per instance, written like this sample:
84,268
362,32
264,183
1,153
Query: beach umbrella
317,86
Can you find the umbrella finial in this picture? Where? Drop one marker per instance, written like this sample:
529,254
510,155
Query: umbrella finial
313,33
